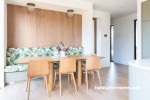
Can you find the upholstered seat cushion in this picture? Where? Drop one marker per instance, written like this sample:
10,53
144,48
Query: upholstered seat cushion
16,68
21,68
13,54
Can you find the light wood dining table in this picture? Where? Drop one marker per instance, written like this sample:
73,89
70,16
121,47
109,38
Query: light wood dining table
51,60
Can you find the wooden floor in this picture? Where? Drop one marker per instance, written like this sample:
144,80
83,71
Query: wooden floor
117,75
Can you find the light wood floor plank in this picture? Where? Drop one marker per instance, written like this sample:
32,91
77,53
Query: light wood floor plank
117,75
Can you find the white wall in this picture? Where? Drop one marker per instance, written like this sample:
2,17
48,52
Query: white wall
99,36
124,39
3,28
87,32
71,3
104,44
139,31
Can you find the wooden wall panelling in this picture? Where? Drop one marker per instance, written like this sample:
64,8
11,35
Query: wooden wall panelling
42,28
78,30
46,28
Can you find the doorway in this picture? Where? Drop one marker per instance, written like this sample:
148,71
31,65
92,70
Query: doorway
111,43
95,35
135,39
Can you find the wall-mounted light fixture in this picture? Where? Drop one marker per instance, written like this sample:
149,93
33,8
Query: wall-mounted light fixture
70,12
31,7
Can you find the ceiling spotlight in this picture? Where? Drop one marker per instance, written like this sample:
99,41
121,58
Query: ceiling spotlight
70,12
31,7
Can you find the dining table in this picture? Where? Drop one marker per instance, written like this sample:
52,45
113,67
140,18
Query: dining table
51,60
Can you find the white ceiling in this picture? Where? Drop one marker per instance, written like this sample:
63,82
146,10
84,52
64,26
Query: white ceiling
45,5
117,8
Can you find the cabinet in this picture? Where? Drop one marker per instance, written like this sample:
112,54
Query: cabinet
146,29
146,39
146,11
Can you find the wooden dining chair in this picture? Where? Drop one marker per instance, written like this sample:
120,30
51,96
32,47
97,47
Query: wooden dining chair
91,72
92,64
67,66
37,68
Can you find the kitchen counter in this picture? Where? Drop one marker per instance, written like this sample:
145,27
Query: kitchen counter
143,64
139,76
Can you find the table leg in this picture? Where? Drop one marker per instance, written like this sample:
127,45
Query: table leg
50,77
79,73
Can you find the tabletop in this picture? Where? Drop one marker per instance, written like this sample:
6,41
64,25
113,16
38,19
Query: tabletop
25,60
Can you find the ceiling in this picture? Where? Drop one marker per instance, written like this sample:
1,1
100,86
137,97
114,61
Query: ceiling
45,5
117,8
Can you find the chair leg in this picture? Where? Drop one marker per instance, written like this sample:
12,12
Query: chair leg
99,78
55,78
74,82
44,78
46,85
27,84
87,79
29,88
71,77
60,83
93,76
68,79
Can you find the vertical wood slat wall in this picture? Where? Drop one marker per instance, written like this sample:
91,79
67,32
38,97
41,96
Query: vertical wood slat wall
42,28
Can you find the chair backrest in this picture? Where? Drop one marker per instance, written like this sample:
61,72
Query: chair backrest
67,65
38,68
93,63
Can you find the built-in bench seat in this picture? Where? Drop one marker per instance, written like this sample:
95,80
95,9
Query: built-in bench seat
16,68
13,54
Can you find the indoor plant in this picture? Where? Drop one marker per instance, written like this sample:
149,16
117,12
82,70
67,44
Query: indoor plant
62,48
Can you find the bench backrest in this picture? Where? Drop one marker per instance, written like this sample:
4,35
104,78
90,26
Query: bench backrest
13,54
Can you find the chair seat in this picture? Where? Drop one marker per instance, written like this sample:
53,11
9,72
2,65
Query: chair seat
84,69
21,68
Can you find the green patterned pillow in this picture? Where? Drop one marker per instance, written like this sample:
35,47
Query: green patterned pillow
13,54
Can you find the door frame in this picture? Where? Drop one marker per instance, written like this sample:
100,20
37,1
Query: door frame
135,31
110,44
95,35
